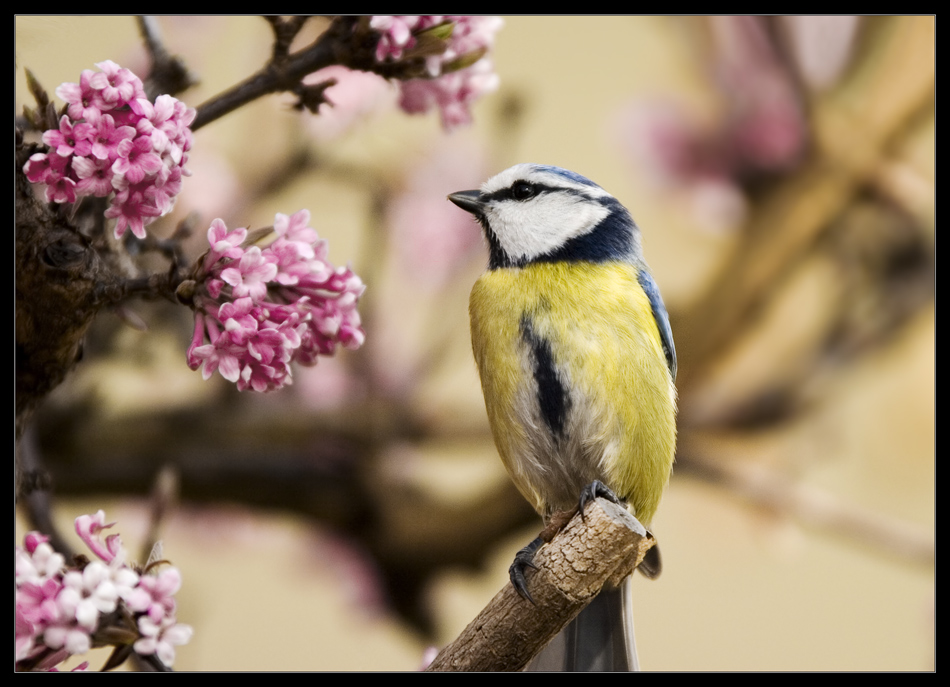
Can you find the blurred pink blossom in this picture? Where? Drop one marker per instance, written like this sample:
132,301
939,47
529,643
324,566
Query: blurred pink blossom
431,240
354,97
764,130
458,75
821,46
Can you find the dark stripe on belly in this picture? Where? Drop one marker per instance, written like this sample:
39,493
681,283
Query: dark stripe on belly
553,398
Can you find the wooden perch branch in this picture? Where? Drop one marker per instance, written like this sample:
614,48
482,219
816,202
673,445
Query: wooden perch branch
571,571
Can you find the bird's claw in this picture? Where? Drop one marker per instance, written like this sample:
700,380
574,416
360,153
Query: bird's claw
524,559
591,492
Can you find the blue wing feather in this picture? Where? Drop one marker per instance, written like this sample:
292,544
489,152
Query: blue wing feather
661,316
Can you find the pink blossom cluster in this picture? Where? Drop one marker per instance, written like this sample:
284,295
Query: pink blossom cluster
114,141
60,607
764,131
259,309
457,77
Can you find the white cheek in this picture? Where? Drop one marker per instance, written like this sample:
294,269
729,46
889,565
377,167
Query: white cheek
543,224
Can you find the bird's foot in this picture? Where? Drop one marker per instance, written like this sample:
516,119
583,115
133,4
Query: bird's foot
556,521
652,564
591,492
524,559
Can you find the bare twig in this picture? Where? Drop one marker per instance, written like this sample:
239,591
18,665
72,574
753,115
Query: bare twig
285,30
812,507
169,74
164,496
37,495
276,76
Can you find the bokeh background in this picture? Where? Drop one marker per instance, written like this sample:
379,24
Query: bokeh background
782,172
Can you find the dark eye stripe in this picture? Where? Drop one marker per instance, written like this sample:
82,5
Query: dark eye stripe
536,189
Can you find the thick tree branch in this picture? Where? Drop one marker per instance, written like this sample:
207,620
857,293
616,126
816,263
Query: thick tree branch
571,571
56,277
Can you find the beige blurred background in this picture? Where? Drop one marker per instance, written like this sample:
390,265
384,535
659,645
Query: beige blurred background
804,544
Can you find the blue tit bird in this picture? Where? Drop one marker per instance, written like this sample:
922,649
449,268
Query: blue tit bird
577,365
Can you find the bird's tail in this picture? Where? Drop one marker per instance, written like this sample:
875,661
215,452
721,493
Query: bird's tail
599,639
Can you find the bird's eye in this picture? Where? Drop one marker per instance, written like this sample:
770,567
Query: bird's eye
522,190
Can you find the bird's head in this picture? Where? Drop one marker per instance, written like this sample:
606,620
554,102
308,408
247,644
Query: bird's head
538,213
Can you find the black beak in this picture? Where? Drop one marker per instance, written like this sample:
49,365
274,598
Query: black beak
470,201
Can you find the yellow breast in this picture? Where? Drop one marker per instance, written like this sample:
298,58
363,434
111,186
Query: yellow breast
575,381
